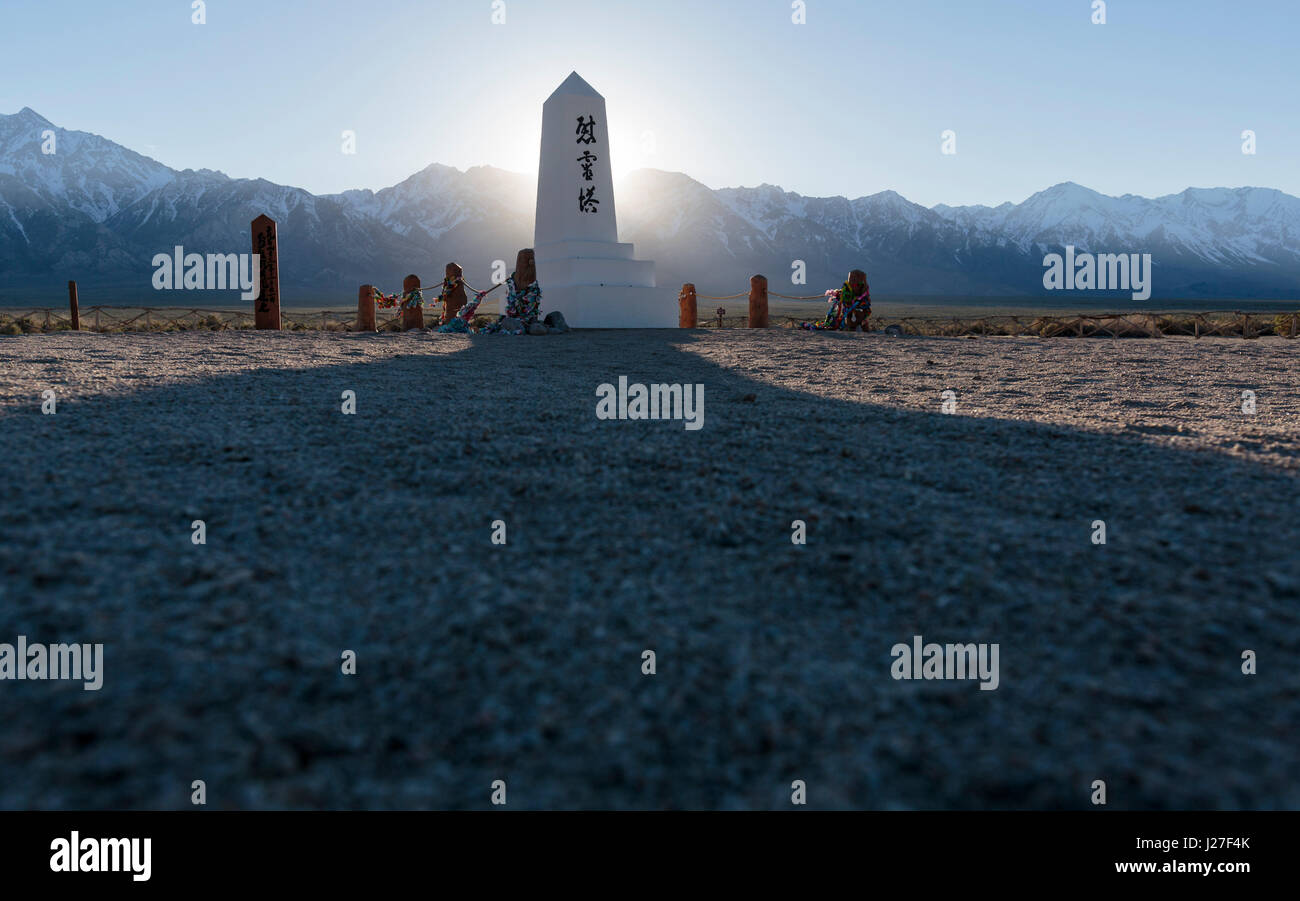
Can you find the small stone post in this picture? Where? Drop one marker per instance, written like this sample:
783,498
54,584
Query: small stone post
456,299
366,308
688,316
412,317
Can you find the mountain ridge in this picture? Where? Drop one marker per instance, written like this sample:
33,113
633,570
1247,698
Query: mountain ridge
97,211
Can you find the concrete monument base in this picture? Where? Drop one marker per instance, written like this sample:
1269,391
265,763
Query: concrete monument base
611,306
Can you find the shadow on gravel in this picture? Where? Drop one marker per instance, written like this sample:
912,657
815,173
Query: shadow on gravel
523,662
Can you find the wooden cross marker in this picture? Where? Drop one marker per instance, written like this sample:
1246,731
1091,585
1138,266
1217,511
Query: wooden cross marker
72,306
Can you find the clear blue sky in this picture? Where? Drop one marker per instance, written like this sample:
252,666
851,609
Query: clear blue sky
732,92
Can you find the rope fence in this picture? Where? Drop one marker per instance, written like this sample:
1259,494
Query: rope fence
405,311
1221,323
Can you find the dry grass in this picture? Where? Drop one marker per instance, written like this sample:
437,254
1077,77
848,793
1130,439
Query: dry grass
911,320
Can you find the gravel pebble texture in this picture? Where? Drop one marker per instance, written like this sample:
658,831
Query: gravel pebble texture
522,662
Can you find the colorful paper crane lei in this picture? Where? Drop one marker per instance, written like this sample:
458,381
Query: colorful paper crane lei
449,285
409,301
842,304
460,325
524,304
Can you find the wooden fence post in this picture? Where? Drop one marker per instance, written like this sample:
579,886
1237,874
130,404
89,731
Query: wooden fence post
266,306
366,308
688,314
412,317
1294,317
758,302
72,306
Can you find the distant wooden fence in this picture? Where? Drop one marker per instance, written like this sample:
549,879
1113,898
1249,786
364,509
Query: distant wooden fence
1225,324
171,319
1219,323
1222,323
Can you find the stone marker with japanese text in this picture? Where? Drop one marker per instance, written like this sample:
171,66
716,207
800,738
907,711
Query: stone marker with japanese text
584,271
266,306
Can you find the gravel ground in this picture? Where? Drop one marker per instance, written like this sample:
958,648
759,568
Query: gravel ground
522,662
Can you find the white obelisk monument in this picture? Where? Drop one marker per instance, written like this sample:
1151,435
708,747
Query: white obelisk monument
584,271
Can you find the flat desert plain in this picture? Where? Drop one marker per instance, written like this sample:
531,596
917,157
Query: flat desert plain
371,533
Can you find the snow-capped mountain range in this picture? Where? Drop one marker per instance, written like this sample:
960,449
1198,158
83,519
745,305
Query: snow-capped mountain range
97,212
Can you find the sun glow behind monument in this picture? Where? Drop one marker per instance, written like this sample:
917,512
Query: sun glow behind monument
584,271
